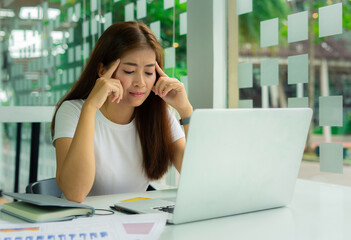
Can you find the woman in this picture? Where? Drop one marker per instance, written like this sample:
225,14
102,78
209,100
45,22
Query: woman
113,131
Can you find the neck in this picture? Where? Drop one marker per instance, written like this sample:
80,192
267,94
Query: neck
118,112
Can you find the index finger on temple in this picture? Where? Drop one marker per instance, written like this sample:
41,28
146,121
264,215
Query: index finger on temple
160,71
112,69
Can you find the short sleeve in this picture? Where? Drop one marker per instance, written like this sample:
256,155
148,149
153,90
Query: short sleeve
66,120
177,131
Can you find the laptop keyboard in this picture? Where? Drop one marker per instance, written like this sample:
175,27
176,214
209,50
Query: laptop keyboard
168,209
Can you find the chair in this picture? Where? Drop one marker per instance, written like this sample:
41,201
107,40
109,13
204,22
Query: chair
46,187
34,115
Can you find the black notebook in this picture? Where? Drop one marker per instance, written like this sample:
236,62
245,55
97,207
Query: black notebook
44,208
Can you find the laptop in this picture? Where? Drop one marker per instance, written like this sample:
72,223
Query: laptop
235,161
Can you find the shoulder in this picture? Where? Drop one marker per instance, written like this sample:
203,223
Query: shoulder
75,104
69,109
66,118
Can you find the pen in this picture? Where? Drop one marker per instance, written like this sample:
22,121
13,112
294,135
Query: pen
118,209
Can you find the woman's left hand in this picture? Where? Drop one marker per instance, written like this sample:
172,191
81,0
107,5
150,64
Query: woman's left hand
172,92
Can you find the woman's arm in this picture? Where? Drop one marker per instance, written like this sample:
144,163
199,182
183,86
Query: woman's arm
173,93
186,113
75,156
179,147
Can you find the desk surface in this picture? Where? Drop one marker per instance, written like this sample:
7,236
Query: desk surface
318,211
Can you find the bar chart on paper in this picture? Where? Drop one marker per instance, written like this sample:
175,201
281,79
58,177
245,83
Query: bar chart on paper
142,227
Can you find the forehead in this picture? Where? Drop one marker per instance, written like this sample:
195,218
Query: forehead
144,55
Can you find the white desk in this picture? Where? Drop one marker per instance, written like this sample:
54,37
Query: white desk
318,211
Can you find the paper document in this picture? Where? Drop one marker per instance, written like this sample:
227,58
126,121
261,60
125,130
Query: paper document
114,227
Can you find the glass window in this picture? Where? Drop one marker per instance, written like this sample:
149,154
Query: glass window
308,43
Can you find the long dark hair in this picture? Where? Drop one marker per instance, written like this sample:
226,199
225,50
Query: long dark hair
152,117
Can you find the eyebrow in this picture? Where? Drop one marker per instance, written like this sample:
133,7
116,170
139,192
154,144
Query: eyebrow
134,64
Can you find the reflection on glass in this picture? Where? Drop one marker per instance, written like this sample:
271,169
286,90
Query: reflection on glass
169,57
330,20
70,14
298,27
129,12
93,5
78,53
64,77
184,80
245,75
141,9
298,69
269,33
71,35
156,29
245,103
108,20
331,157
269,72
298,102
85,29
94,26
78,8
243,6
330,111
168,4
70,55
183,23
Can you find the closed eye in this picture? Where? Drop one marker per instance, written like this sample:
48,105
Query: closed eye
149,73
127,72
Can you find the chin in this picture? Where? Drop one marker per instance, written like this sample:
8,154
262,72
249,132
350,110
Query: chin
136,103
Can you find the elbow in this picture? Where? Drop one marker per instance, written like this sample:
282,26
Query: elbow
75,197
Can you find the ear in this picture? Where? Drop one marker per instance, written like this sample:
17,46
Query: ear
101,69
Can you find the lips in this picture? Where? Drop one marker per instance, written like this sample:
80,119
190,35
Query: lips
137,94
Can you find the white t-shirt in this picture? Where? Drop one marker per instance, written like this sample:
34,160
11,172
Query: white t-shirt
118,153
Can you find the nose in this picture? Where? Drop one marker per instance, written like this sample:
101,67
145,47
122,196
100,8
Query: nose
139,81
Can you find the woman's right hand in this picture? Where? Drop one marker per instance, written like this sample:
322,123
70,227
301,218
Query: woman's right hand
106,86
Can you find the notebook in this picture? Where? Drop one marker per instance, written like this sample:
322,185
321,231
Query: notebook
235,161
44,208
